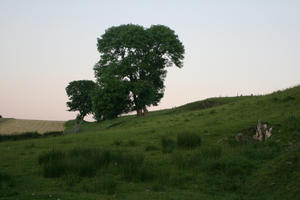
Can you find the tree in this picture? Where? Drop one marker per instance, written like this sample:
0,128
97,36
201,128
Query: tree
138,58
110,99
79,93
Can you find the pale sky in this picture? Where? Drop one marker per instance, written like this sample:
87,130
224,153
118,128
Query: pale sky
232,47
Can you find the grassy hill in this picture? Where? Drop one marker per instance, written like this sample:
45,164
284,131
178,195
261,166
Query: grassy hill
10,126
189,152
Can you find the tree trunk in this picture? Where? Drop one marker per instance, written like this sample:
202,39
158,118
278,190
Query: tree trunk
145,111
139,112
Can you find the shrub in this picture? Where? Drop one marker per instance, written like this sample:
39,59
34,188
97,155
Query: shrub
188,140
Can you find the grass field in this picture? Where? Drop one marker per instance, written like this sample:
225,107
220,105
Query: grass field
10,126
189,152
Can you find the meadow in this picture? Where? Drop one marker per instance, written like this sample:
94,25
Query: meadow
188,152
10,126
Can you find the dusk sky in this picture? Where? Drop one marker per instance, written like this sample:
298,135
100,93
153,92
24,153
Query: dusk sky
232,47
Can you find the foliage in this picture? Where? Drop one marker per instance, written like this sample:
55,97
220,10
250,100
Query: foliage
79,93
137,57
110,99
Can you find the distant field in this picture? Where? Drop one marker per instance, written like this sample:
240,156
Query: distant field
14,126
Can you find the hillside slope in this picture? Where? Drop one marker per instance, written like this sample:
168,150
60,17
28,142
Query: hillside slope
160,156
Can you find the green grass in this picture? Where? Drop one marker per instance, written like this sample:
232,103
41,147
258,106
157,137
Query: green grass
187,152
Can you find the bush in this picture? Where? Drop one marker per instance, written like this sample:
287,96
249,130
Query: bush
0,116
188,140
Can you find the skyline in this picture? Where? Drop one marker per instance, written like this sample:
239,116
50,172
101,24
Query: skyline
232,48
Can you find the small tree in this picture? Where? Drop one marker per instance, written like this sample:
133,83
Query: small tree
79,93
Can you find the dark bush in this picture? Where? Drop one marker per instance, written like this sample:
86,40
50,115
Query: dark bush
188,140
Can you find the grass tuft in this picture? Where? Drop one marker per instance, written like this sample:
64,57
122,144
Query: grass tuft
188,140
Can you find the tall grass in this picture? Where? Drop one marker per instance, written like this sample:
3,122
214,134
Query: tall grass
85,162
188,140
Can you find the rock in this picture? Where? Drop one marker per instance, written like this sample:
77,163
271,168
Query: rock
268,133
262,132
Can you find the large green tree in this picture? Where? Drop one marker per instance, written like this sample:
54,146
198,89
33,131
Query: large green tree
110,99
79,93
138,58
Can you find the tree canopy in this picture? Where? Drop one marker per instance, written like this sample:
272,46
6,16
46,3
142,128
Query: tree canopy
137,57
79,93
